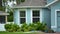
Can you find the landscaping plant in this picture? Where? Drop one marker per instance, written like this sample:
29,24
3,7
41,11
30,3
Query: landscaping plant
12,27
27,27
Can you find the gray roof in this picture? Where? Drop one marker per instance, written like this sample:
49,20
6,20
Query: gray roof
3,13
32,3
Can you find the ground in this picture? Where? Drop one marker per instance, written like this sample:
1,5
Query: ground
26,33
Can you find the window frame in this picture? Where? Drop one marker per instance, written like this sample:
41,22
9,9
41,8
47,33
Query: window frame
32,15
23,17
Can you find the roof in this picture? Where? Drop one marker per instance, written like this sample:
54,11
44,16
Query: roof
51,3
30,3
3,13
34,4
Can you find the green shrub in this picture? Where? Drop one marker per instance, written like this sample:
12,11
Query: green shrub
33,27
24,27
12,27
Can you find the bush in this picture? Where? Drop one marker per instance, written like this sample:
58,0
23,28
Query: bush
12,27
24,27
27,27
33,27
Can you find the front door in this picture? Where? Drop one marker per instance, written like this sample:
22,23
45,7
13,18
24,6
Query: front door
58,21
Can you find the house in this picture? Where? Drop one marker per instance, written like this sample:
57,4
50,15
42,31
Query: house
32,11
3,17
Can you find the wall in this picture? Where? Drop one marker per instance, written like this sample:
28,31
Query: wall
16,16
2,27
47,16
49,1
54,7
28,16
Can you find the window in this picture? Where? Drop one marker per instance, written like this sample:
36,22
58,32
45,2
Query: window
22,17
2,19
35,16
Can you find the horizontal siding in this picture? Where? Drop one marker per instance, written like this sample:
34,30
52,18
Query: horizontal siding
2,27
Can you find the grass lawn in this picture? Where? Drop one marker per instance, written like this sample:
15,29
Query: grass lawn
19,33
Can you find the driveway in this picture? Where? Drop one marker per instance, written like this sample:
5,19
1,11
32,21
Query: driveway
52,33
47,33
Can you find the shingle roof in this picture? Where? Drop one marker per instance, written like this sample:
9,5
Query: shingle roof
32,3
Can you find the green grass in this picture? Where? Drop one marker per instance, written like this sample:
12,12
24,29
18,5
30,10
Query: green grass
15,33
19,33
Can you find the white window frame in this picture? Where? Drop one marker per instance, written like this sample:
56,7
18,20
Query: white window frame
40,15
25,14
55,26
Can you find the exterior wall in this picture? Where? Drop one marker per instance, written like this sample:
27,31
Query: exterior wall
47,17
16,17
49,1
2,27
54,7
28,16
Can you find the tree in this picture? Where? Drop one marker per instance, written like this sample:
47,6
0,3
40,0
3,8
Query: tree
20,1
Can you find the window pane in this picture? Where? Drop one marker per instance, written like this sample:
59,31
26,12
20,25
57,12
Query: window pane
22,13
22,20
36,20
36,13
2,19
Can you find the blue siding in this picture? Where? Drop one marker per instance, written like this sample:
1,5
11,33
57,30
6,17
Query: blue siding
16,17
49,1
53,8
28,16
47,16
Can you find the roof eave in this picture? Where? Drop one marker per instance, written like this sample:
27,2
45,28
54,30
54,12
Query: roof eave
36,6
51,3
30,7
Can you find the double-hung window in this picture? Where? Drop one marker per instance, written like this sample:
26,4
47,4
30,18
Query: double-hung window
2,19
35,16
22,17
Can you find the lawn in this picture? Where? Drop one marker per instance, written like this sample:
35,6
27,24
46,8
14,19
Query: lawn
20,33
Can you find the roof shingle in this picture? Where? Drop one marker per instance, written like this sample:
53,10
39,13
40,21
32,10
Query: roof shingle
32,3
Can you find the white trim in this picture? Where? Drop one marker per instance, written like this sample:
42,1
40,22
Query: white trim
53,27
26,16
55,18
31,15
41,15
29,7
36,17
51,3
